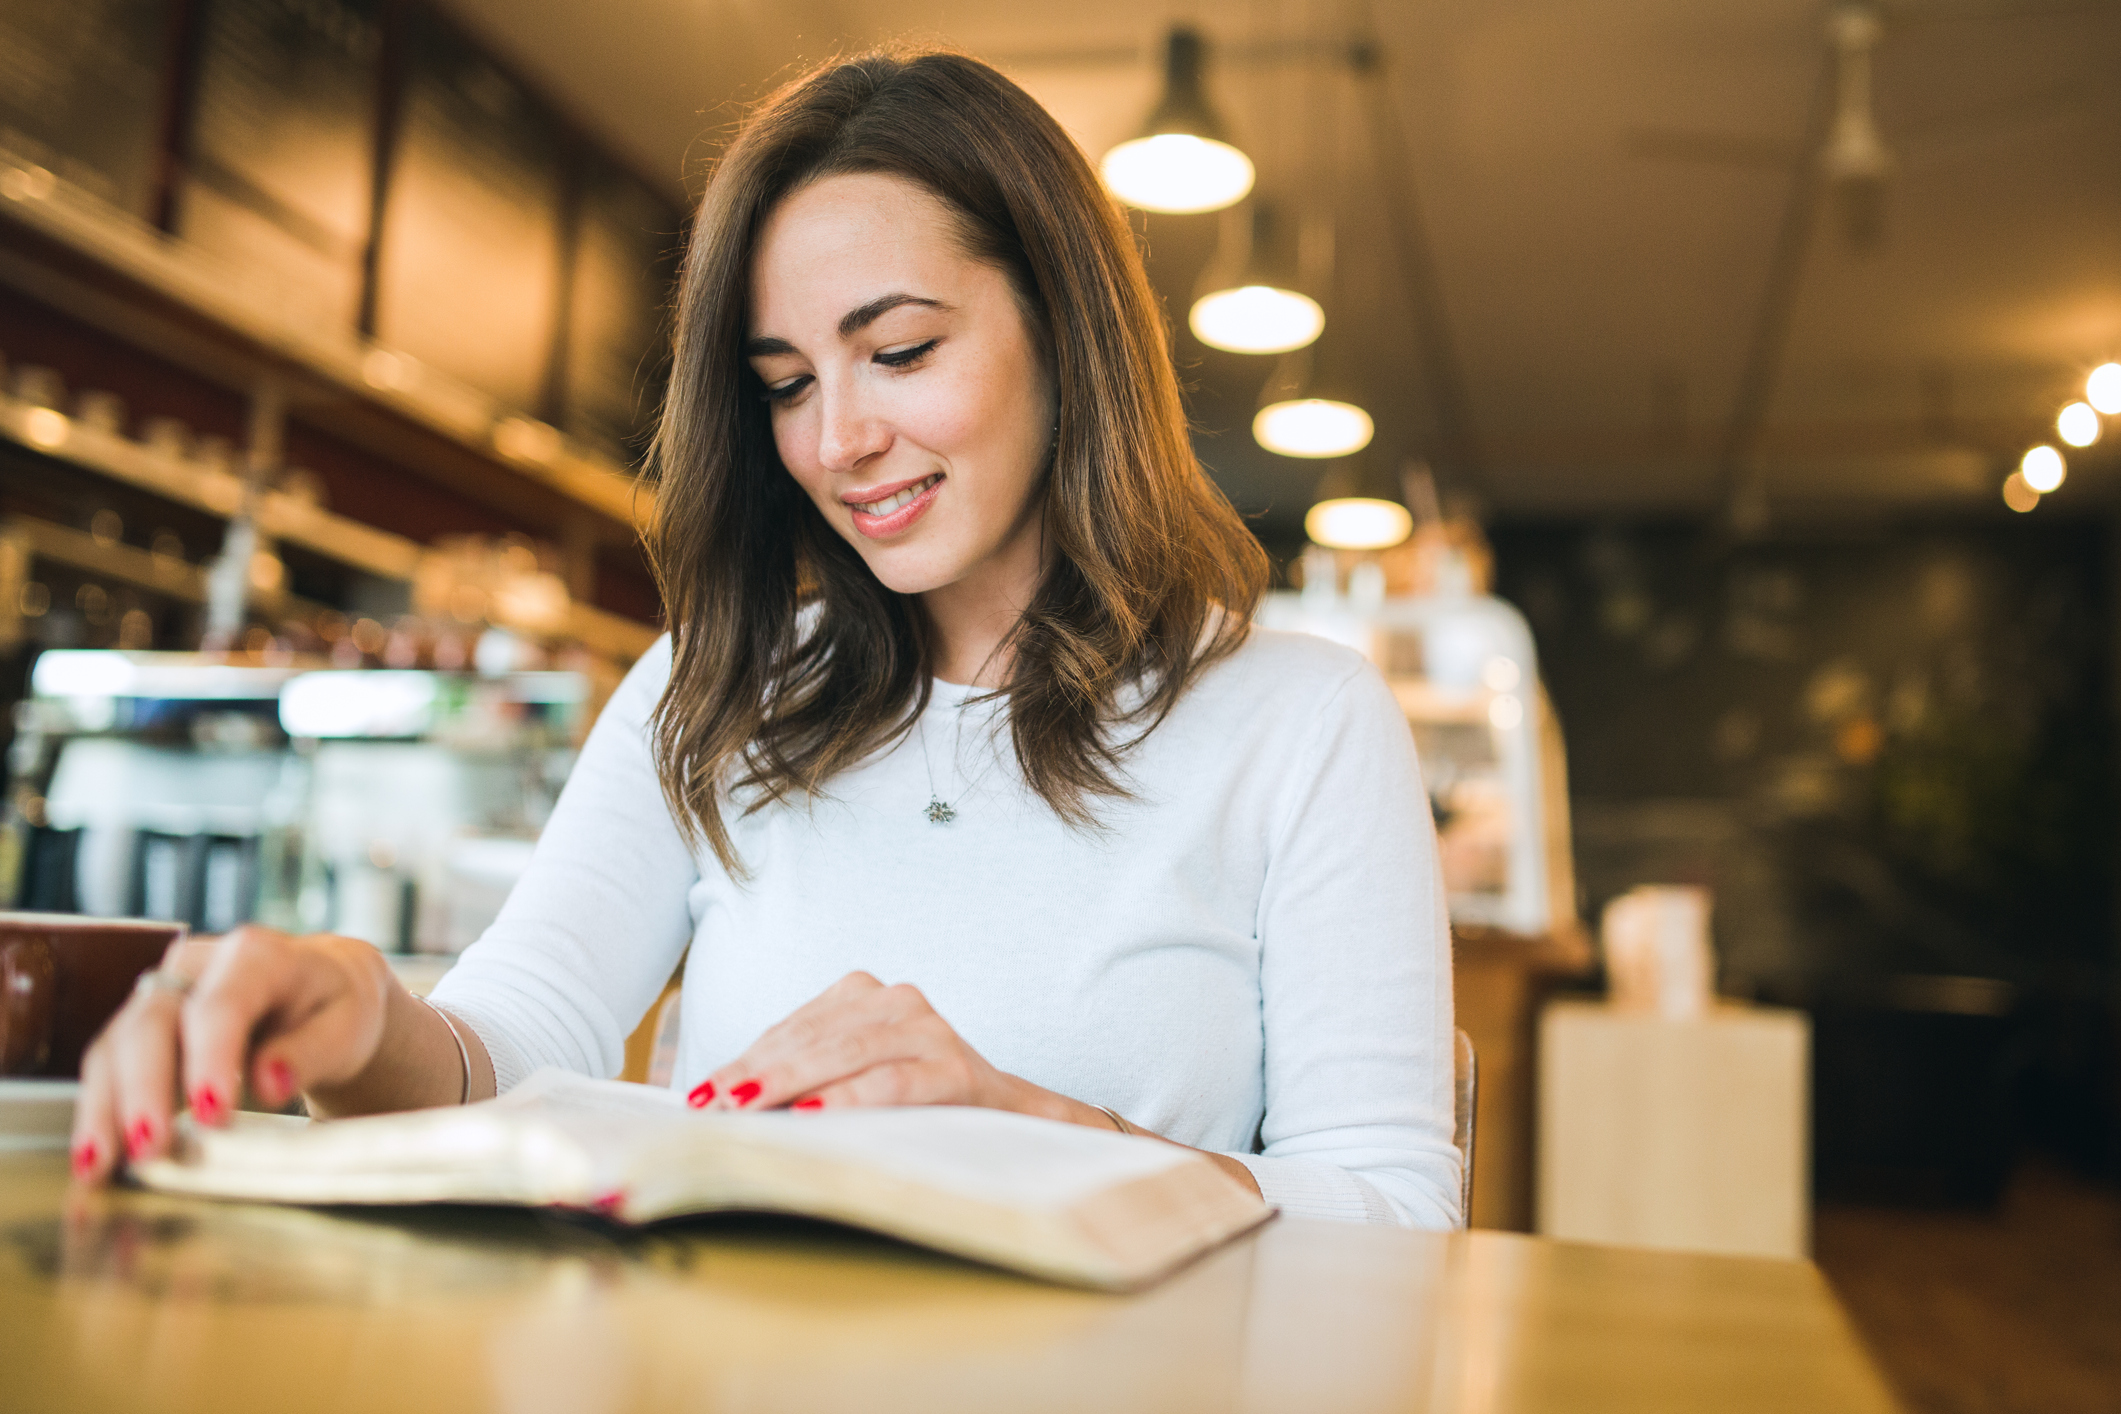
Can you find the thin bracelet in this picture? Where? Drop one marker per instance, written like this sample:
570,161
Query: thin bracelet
1117,1123
463,1051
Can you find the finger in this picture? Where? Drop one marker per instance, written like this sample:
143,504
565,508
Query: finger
921,1081
800,1027
836,1059
826,1045
189,957
333,1040
95,1141
900,1028
253,977
143,1059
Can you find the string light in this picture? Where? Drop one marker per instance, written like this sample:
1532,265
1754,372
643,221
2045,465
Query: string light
1313,427
1358,523
2103,388
2043,468
2078,424
2017,495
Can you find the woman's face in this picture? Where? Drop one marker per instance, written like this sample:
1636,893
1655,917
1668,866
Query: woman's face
908,396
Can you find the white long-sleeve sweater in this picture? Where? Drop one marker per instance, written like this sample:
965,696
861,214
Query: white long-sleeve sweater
1250,957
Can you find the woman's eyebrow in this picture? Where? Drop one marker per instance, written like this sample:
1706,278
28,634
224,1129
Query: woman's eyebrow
863,315
852,322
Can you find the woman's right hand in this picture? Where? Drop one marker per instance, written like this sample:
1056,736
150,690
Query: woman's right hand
281,1014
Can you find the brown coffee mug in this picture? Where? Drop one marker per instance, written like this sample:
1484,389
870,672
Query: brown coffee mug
61,977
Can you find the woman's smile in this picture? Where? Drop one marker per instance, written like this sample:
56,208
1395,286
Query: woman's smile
880,512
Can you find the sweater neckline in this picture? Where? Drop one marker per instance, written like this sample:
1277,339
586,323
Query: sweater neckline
951,695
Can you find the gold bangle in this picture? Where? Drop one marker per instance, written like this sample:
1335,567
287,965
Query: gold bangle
1117,1123
463,1051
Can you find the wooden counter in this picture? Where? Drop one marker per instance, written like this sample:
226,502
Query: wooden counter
141,1302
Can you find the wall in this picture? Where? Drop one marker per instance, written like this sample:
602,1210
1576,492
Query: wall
1890,750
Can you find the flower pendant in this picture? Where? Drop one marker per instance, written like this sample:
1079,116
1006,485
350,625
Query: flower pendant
938,813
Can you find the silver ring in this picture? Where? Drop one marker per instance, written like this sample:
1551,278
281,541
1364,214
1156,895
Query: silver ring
164,979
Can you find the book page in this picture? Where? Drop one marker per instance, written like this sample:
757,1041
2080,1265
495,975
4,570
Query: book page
986,1154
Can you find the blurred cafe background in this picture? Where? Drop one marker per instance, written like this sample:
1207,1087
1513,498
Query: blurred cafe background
1704,415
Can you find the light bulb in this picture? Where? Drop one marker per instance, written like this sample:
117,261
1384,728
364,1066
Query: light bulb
2103,388
1256,319
1178,172
2017,495
1313,427
2043,468
46,428
1358,523
2079,424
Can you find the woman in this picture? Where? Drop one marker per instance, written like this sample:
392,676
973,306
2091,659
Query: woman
960,692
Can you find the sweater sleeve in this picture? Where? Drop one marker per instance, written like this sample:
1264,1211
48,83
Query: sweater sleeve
590,934
1355,980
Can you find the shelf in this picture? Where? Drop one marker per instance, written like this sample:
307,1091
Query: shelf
279,516
62,246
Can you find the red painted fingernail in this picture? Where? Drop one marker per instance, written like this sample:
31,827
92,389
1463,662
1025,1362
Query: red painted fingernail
139,1136
608,1203
84,1157
745,1093
810,1103
701,1094
283,1080
207,1104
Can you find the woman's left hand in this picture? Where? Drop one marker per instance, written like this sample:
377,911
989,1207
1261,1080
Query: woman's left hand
863,1043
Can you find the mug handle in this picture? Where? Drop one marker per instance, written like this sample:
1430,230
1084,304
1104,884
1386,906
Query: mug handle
27,993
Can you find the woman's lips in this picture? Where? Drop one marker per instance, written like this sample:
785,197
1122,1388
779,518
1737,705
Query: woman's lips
882,527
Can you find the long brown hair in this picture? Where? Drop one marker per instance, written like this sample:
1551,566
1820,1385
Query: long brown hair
1152,575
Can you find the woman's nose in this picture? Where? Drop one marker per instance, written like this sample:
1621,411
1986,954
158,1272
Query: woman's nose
849,434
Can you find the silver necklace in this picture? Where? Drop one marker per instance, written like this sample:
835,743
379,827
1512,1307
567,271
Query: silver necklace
940,811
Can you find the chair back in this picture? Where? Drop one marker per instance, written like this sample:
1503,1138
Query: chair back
1465,1094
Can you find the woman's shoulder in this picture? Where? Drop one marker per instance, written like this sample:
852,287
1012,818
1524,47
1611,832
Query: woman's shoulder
1296,677
633,700
1294,664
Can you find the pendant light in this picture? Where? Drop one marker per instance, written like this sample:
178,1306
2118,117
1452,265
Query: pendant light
1251,306
1313,427
1855,160
1182,160
1355,509
1305,416
1358,523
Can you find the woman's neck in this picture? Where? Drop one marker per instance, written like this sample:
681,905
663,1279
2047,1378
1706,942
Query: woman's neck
970,619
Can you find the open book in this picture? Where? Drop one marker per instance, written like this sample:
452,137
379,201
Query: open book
1054,1200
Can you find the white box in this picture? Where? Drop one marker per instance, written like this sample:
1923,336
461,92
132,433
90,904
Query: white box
1685,1135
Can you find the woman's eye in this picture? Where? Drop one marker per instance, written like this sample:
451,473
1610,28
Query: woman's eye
900,358
782,392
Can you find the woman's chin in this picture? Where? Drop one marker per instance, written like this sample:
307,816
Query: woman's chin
907,570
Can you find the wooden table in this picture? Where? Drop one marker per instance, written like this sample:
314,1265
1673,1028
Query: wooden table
140,1302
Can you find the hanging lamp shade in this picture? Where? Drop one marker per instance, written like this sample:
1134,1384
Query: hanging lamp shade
1313,427
1358,523
1252,304
1256,319
1300,417
1182,161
